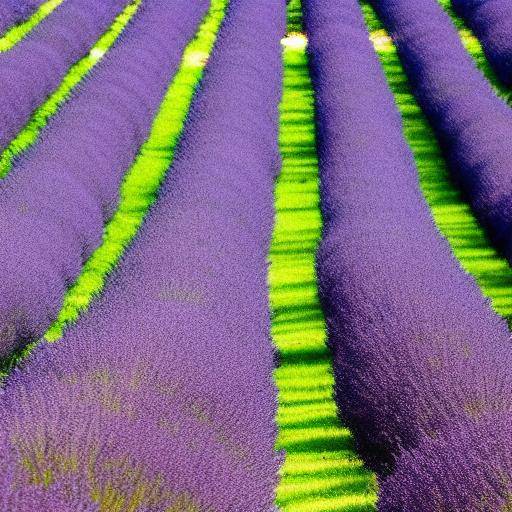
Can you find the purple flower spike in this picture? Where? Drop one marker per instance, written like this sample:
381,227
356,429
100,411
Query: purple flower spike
162,396
491,21
416,346
468,469
56,200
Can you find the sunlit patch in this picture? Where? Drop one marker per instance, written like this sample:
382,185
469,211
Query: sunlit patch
96,54
195,59
295,40
381,41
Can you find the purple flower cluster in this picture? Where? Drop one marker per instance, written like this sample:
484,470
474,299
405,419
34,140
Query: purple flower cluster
13,12
33,68
416,347
491,21
162,397
57,199
467,469
473,125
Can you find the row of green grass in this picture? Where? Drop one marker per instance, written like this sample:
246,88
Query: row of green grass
321,471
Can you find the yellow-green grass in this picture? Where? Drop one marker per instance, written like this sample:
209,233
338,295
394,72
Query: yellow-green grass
15,34
142,181
452,215
321,471
29,134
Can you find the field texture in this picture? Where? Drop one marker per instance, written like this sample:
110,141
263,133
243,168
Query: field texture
217,293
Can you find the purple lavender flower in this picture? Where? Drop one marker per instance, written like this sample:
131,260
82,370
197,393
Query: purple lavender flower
467,469
491,21
33,68
56,200
473,125
415,344
13,12
161,397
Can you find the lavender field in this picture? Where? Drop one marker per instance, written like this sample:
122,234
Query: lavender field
255,256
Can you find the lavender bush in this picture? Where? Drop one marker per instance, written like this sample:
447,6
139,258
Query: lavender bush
491,21
468,469
13,12
36,65
473,125
56,201
416,347
161,397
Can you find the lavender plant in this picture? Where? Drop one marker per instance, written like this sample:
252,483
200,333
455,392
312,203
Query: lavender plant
491,21
33,68
472,124
57,199
161,397
416,347
16,11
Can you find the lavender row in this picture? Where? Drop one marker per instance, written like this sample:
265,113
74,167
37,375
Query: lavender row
169,374
33,68
57,199
473,125
13,12
491,21
416,347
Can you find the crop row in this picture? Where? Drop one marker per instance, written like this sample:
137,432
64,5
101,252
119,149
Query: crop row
34,67
178,347
419,356
13,12
473,125
491,21
31,130
58,197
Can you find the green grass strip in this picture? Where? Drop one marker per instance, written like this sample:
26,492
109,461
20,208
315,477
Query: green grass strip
29,134
15,34
451,213
143,179
321,471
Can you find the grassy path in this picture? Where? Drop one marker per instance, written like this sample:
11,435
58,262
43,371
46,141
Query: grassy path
451,213
15,34
29,134
321,471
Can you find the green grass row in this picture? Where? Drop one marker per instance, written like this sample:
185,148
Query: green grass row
29,134
321,471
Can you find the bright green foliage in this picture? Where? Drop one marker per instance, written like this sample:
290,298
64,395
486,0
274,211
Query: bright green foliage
142,181
451,213
321,470
15,34
30,133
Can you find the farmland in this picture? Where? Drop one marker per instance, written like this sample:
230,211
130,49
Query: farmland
255,256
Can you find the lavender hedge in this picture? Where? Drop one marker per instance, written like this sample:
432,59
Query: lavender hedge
491,21
472,124
33,68
469,468
169,374
13,12
416,347
56,200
